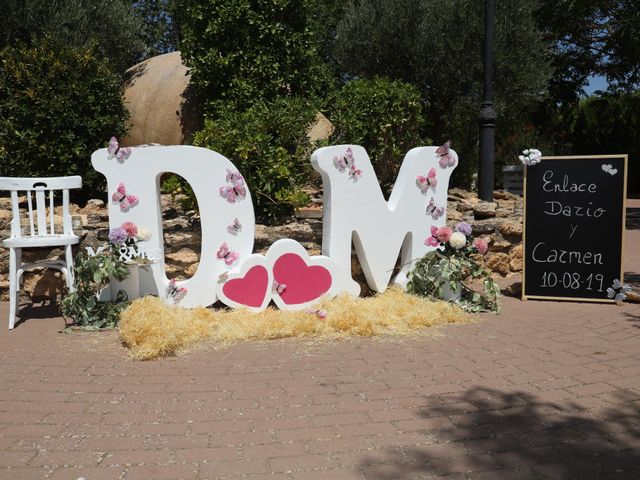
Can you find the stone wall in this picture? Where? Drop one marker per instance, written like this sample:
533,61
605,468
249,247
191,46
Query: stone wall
499,222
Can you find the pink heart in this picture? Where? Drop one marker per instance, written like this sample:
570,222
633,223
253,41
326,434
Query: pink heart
249,290
303,283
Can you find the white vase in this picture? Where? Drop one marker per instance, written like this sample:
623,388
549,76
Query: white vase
147,284
130,285
451,295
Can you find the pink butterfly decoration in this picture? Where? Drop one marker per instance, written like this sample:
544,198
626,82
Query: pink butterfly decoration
113,147
126,201
345,161
278,288
225,254
234,177
432,241
429,181
235,227
236,189
446,158
321,314
121,154
354,173
175,292
435,211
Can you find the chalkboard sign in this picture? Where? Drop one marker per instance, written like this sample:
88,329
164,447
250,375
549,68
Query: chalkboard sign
574,211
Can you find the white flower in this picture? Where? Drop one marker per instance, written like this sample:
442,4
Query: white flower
530,157
144,234
458,240
535,156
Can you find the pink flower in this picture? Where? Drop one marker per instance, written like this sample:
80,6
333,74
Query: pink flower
443,234
431,242
130,228
481,245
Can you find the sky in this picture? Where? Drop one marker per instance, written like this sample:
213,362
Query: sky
596,83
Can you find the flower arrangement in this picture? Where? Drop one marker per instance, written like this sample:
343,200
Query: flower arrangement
441,272
530,157
92,274
124,243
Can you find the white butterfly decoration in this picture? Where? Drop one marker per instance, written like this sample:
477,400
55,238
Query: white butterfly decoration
175,292
235,227
618,291
434,210
278,288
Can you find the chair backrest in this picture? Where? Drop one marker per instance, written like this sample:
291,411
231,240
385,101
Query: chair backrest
40,189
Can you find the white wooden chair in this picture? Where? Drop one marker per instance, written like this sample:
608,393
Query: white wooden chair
38,230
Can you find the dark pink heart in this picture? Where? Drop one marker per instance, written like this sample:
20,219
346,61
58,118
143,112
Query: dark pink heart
249,290
303,283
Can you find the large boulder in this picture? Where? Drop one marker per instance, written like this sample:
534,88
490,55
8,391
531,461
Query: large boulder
159,101
162,105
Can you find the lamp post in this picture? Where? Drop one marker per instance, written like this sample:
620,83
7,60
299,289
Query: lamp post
487,116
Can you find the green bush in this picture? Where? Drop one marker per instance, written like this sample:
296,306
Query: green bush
269,145
244,51
383,116
117,29
59,104
610,124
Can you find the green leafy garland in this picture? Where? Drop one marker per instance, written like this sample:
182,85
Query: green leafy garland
92,274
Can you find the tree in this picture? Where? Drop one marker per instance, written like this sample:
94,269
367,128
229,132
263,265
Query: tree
609,124
437,46
111,27
591,37
244,51
159,31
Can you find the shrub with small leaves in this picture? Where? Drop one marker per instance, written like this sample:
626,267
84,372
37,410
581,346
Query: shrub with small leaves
382,115
59,103
269,145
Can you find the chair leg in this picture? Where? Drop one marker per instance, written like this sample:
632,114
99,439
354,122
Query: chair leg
13,287
69,273
18,267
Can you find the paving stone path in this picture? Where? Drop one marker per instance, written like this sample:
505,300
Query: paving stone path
547,390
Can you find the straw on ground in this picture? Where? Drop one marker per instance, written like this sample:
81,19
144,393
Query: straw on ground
150,328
